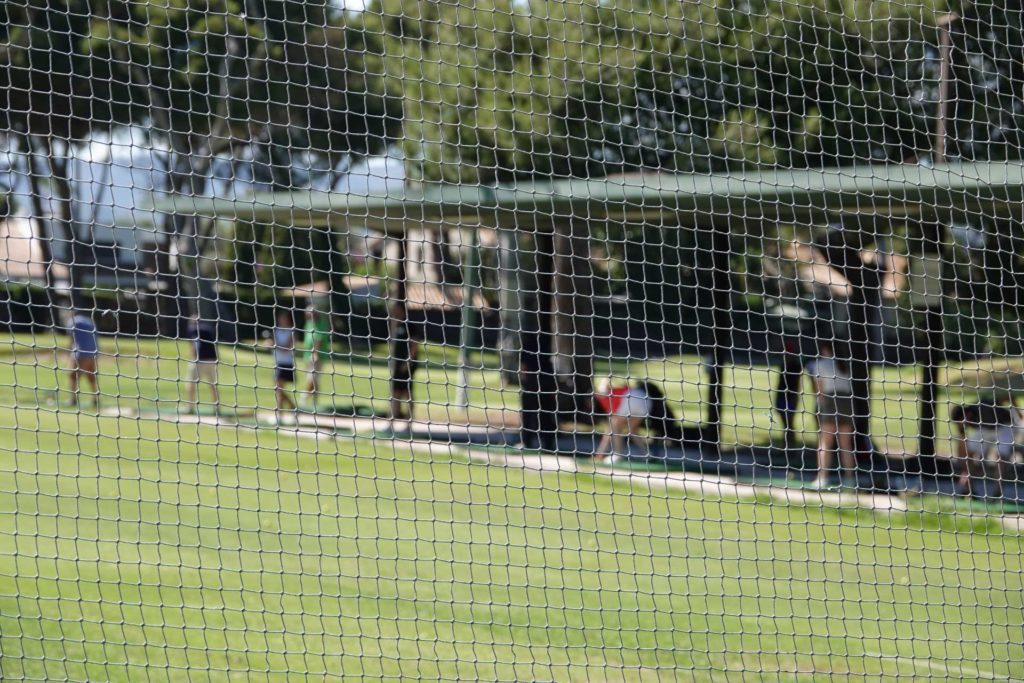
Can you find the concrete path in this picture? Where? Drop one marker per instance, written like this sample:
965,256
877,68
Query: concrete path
488,445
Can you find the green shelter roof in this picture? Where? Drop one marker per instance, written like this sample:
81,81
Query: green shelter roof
877,191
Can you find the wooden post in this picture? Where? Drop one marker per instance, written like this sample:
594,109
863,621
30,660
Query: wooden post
468,340
945,73
397,290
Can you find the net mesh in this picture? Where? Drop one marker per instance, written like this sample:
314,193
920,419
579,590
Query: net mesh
511,339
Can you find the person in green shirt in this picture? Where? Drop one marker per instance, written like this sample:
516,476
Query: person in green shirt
317,346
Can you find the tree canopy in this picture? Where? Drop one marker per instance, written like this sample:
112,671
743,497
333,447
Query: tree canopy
495,89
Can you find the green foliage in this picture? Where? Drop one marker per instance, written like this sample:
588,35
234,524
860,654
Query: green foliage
51,85
988,109
496,90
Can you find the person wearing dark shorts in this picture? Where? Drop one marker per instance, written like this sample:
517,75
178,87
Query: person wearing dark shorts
84,356
402,367
285,375
203,364
284,362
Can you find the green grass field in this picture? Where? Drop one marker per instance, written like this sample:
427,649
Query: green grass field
143,375
141,549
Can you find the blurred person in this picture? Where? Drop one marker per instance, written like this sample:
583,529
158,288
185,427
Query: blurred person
788,389
284,362
984,442
631,407
836,432
202,367
85,351
317,346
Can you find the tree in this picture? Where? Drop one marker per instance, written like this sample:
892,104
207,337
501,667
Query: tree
988,107
192,64
279,82
326,109
53,97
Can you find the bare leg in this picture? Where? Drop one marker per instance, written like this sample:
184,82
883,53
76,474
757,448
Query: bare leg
313,385
614,440
826,444
92,379
634,425
73,382
845,444
973,467
192,387
285,400
87,369
214,392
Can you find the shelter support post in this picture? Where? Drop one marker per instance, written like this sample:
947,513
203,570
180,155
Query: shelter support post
469,338
930,360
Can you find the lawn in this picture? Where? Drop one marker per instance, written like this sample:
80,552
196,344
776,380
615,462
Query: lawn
140,549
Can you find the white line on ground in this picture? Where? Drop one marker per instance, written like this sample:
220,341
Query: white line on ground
322,426
938,667
692,482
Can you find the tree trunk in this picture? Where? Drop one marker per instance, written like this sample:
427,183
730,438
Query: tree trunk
198,286
63,222
860,371
45,238
168,310
398,294
435,258
341,297
341,300
192,234
536,377
573,313
713,270
513,285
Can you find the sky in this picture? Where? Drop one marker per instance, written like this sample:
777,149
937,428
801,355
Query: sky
114,184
